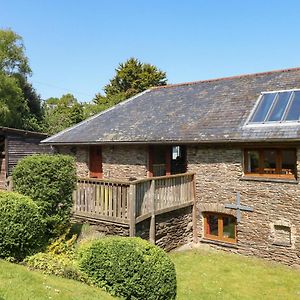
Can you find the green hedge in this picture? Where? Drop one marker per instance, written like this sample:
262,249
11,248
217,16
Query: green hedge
22,227
129,267
49,180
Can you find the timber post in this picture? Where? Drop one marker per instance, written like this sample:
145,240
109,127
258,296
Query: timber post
152,207
132,213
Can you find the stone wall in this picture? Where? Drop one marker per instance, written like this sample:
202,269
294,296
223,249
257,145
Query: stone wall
172,229
118,162
271,231
81,155
103,228
263,232
124,162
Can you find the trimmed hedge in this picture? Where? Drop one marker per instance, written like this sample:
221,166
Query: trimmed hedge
49,180
129,267
22,227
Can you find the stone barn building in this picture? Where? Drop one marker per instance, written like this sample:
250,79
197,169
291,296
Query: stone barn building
14,145
239,136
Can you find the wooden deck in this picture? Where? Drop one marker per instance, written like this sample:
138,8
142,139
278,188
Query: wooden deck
131,202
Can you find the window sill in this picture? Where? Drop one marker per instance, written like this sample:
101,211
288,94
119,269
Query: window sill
219,243
267,179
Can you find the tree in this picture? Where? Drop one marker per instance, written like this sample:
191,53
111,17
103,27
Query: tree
18,97
12,54
132,77
12,103
61,113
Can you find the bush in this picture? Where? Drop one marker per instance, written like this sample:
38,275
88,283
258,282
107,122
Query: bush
59,258
22,227
129,267
49,180
55,264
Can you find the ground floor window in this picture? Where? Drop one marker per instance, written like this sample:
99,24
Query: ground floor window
220,227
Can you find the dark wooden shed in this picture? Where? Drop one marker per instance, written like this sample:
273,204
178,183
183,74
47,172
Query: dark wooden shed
16,144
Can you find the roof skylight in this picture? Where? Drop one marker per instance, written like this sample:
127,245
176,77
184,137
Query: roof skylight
277,107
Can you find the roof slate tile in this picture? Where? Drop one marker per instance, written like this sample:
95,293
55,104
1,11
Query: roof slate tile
204,111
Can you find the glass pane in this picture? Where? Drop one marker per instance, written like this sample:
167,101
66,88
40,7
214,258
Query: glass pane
294,110
270,161
212,225
253,161
263,107
288,162
175,152
280,106
229,227
178,161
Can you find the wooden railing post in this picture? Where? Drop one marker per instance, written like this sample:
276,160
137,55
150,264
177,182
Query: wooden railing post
132,204
194,213
152,208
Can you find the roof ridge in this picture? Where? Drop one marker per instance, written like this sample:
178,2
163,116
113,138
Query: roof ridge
224,78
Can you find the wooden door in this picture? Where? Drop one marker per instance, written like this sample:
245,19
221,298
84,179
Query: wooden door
159,160
95,162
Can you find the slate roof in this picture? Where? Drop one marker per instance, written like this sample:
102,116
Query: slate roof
197,112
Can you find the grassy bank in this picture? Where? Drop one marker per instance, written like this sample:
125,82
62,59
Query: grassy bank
16,282
200,275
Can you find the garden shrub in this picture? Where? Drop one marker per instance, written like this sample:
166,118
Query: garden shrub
22,227
49,180
56,264
65,244
58,259
129,267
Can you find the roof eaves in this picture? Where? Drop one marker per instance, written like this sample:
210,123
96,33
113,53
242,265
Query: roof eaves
182,142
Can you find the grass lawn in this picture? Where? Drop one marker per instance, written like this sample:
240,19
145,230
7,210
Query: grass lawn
17,283
215,275
201,274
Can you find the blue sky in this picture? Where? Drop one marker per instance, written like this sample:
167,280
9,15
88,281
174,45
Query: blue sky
74,46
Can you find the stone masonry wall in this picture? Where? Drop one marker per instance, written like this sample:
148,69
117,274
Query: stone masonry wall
102,228
124,162
81,155
118,162
219,175
172,229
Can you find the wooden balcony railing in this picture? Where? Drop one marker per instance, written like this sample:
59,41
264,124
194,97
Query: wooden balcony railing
130,202
102,199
